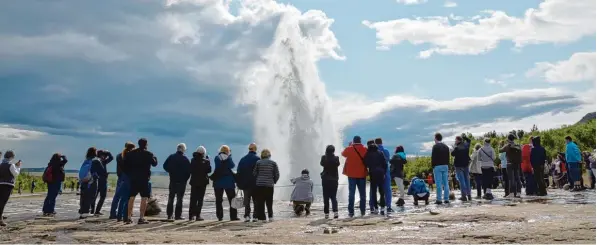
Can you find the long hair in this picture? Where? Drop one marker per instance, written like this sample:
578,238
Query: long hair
91,153
128,146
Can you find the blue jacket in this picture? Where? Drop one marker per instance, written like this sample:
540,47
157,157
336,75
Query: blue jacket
572,153
178,167
417,186
244,175
223,170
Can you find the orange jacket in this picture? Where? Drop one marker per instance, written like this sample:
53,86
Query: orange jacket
526,159
354,167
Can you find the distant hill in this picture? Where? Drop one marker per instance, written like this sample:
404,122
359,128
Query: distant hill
587,118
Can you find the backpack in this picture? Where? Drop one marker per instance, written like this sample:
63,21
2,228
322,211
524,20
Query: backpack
48,175
514,155
85,172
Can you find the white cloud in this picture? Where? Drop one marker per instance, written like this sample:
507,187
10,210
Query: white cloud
450,4
579,67
10,133
411,2
496,82
553,21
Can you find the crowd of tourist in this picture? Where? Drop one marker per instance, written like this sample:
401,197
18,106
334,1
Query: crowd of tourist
257,174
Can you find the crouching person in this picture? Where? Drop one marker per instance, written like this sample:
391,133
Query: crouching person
302,195
419,191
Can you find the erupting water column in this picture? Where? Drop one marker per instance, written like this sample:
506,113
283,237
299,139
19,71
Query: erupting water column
292,113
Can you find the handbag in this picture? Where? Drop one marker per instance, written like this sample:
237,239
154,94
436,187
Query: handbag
238,201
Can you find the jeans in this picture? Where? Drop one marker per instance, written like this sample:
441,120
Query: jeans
230,193
176,189
197,195
265,197
50,201
102,190
353,184
377,184
88,192
249,195
514,178
440,174
530,184
487,174
539,179
505,181
116,199
479,184
125,195
387,186
400,184
464,180
574,173
330,190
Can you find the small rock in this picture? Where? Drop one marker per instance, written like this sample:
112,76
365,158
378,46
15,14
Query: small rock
309,232
327,231
334,230
433,212
399,222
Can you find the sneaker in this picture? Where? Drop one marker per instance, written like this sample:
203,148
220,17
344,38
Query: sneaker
488,196
400,202
98,214
336,215
170,218
247,219
2,223
142,222
381,212
390,210
375,211
199,218
327,216
234,219
271,219
179,218
511,195
446,202
438,202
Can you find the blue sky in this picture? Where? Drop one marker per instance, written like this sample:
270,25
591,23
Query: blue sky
82,73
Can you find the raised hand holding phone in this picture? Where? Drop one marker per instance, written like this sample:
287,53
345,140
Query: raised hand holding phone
18,164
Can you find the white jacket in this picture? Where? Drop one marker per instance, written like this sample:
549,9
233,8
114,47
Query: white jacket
475,166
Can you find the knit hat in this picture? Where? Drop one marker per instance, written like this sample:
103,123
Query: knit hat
356,140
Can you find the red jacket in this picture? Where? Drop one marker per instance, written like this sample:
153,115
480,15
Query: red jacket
526,159
354,167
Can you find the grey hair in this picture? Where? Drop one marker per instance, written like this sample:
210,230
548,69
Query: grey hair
182,147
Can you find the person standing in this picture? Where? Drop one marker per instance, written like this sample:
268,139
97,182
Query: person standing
119,207
101,169
266,174
504,170
177,166
8,174
486,157
356,171
461,167
375,161
387,184
527,169
329,180
56,170
514,157
397,172
246,180
32,186
138,165
199,170
573,159
475,169
440,158
88,185
223,178
587,159
538,160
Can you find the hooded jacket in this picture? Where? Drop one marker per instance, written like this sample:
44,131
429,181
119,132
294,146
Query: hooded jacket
572,153
375,162
303,189
538,154
460,154
417,186
178,167
354,167
244,172
330,164
224,177
199,169
57,165
526,159
486,156
513,152
475,167
397,165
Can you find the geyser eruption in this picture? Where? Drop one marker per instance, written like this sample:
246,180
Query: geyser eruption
292,113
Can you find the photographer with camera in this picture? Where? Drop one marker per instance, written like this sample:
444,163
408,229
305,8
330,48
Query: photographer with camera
100,167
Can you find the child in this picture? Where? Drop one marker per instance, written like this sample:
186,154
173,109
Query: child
419,191
302,195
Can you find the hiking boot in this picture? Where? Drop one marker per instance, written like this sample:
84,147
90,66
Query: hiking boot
336,215
446,202
400,202
298,210
438,202
142,222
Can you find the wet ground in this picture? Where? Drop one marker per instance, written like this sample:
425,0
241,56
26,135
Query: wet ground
561,217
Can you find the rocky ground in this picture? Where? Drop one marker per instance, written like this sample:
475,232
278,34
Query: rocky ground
562,217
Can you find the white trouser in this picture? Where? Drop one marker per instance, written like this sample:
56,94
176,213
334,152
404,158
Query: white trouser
400,184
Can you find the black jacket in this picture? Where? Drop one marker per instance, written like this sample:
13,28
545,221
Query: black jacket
440,155
375,162
200,169
138,163
58,168
330,164
461,156
177,165
538,154
397,166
